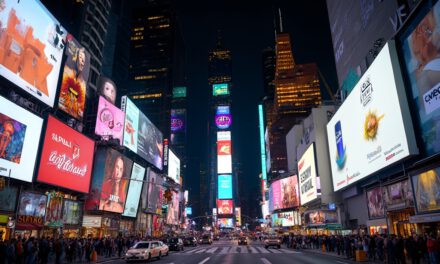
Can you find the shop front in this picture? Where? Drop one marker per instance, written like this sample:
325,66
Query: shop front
377,226
71,218
110,225
30,215
91,226
126,227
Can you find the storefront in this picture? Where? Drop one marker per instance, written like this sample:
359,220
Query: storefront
126,227
72,213
377,226
91,226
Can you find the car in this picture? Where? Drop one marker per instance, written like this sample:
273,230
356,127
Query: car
242,240
205,239
146,250
175,244
272,241
190,241
216,237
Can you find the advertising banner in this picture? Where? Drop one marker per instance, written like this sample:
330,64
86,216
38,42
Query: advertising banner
225,223
237,216
173,210
289,192
154,200
75,76
426,186
225,207
224,152
67,157
422,59
308,179
287,219
72,212
320,217
178,120
398,195
372,129
109,120
20,132
141,135
173,167
220,89
188,210
275,195
375,204
32,48
223,117
134,190
111,175
91,221
225,186
107,89
179,92
31,211
8,198
54,210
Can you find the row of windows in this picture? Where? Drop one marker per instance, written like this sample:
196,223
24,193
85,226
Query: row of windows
145,77
137,38
146,96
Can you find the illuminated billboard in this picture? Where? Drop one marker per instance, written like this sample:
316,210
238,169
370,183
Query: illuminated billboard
220,89
109,120
225,223
223,117
173,210
372,129
179,92
107,89
188,210
178,120
237,216
72,212
32,46
289,192
20,132
54,210
134,190
67,157
31,211
75,76
224,152
225,186
225,207
154,192
141,135
173,166
262,142
309,183
275,196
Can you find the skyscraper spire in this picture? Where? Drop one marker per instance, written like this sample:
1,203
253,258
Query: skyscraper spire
280,17
219,38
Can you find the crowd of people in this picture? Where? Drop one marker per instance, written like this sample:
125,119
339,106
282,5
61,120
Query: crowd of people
389,249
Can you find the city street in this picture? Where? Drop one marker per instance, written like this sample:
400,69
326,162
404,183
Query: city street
228,252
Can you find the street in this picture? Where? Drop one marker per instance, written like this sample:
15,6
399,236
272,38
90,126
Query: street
228,252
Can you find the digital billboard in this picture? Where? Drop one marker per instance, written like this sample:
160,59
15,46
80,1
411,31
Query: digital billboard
237,216
173,166
225,207
141,135
178,120
225,223
275,195
109,120
320,217
32,46
224,152
111,174
54,210
179,92
154,192
309,183
426,186
107,89
286,219
372,129
173,210
375,203
224,186
188,210
32,210
220,89
67,157
421,57
8,198
20,132
262,142
289,192
134,190
223,117
75,76
72,212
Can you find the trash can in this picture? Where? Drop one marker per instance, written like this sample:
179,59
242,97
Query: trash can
361,256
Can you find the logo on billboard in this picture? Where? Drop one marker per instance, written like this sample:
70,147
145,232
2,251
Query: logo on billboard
223,121
340,148
366,92
176,124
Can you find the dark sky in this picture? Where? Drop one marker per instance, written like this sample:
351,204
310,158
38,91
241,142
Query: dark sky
247,28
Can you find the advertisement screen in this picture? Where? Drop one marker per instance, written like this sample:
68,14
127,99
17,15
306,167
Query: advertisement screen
220,89
173,210
223,117
72,212
109,120
287,219
173,167
8,198
141,136
224,152
426,186
32,210
107,89
225,223
67,157
92,221
237,216
32,48
54,210
372,129
375,204
178,120
275,195
20,132
75,76
179,92
225,207
225,186
320,217
289,192
308,180
421,57
398,195
188,210
134,190
154,202
111,174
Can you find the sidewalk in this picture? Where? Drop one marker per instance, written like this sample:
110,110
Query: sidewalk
333,254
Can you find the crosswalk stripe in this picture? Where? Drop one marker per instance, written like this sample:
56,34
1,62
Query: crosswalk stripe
276,251
244,250
288,251
200,251
254,251
233,250
263,250
212,250
224,250
192,251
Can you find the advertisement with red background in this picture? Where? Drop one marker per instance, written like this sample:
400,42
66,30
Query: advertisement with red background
225,207
224,147
67,157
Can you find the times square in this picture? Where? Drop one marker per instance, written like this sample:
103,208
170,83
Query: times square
99,125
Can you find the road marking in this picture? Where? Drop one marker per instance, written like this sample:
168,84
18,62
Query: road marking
212,250
204,261
265,261
224,250
233,250
275,251
263,250
341,262
200,251
192,251
244,250
253,250
289,251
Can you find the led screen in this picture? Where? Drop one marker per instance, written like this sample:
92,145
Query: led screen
54,210
20,133
111,174
173,167
109,120
107,89
426,186
225,207
223,117
154,196
141,136
75,76
92,221
375,204
134,190
308,180
237,216
32,46
225,223
188,210
72,212
32,210
289,192
179,92
275,195
320,217
224,152
220,89
178,120
173,210
225,186
8,198
67,157
372,129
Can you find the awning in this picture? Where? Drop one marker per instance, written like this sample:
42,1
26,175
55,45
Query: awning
377,222
428,218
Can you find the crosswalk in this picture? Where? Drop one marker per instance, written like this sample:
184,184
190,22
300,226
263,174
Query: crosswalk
238,250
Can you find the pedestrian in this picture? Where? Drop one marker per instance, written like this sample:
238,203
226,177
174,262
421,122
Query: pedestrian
431,244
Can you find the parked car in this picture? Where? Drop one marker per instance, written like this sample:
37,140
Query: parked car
242,240
272,241
205,239
175,243
190,241
146,250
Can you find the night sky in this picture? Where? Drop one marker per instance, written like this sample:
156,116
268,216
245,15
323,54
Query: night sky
246,29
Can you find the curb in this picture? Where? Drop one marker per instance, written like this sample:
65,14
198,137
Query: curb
342,257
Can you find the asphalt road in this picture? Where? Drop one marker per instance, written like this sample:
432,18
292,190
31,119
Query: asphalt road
228,252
